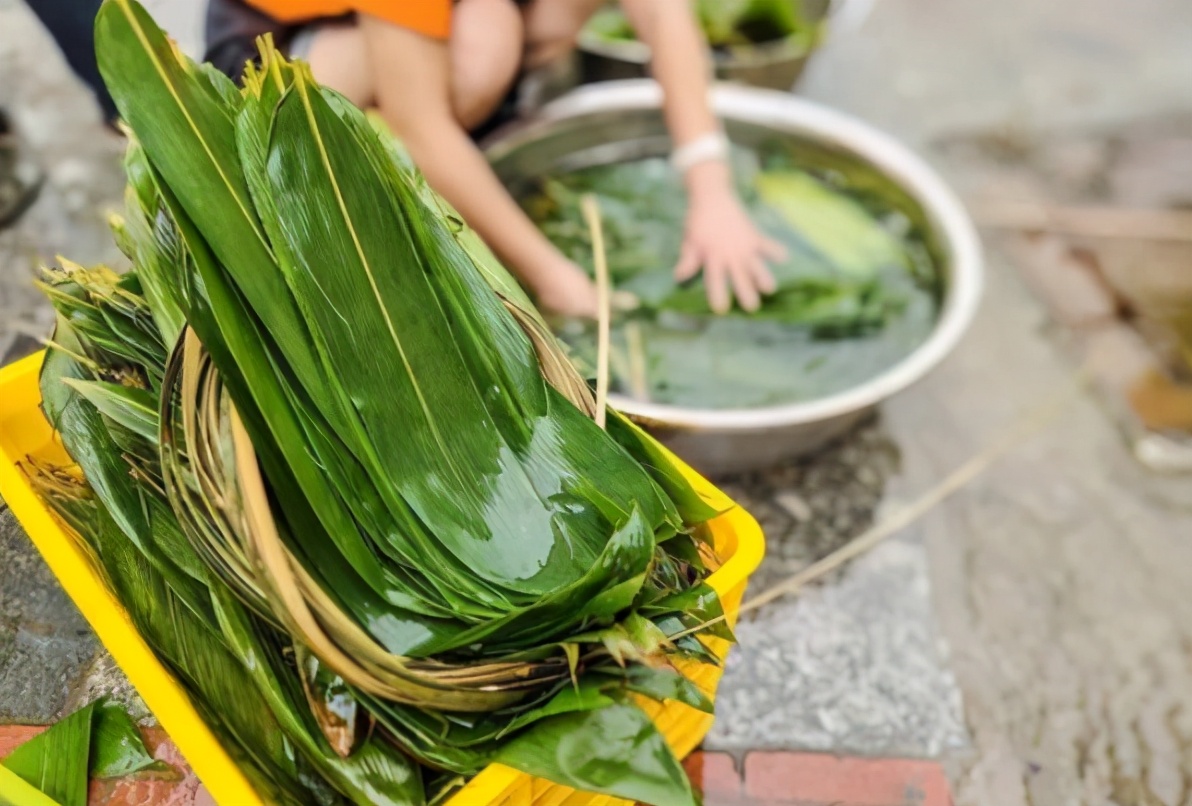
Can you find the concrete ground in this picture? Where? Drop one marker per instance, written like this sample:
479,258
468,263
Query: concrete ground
1033,632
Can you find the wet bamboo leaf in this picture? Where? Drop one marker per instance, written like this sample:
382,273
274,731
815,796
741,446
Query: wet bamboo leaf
117,748
373,774
837,227
614,750
665,684
572,699
133,408
349,212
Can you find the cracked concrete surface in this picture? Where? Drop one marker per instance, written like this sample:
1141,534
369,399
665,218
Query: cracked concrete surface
1059,579
45,644
852,667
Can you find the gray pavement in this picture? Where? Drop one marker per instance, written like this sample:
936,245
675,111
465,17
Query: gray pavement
859,665
929,70
853,666
1059,579
45,645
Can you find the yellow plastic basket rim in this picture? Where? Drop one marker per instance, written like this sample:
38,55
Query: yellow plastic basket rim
15,789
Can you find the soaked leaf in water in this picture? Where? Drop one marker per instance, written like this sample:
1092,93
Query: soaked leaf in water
856,294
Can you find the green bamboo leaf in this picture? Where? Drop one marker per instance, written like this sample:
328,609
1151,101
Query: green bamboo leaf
154,246
620,568
194,650
692,506
588,696
239,346
663,684
347,456
117,748
85,437
99,740
699,603
55,762
374,774
837,227
133,408
614,750
217,313
137,512
182,118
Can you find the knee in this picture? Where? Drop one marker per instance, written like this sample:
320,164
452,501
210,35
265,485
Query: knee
487,38
338,59
552,27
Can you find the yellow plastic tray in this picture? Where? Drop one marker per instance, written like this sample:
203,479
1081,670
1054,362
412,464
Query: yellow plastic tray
24,432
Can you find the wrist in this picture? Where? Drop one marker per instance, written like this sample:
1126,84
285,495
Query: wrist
708,179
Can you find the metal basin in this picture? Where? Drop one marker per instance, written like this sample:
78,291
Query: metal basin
619,121
774,65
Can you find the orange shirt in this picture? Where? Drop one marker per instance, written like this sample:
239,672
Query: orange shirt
429,17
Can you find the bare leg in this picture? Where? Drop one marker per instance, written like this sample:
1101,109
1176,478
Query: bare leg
339,59
486,48
487,37
552,27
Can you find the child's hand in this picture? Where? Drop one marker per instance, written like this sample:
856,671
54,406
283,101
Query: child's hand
720,239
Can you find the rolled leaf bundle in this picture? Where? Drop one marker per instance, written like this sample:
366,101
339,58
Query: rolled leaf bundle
340,474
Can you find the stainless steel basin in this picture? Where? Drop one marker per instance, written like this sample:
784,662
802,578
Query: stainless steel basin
617,121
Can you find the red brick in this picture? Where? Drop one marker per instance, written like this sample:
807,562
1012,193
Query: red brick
809,779
715,775
136,791
13,736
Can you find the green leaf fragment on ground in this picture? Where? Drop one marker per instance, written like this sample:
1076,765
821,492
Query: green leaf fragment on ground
99,740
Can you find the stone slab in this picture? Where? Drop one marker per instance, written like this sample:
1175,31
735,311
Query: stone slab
45,644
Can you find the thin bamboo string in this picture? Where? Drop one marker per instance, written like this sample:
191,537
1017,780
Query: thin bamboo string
591,210
1018,432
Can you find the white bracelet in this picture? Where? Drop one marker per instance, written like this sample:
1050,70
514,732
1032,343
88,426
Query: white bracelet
712,146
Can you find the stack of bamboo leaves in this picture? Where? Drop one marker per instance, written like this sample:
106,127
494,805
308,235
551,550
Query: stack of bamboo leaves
339,473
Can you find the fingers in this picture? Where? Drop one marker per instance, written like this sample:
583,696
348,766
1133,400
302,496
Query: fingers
689,263
762,277
744,286
716,283
753,277
772,250
624,301
745,277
